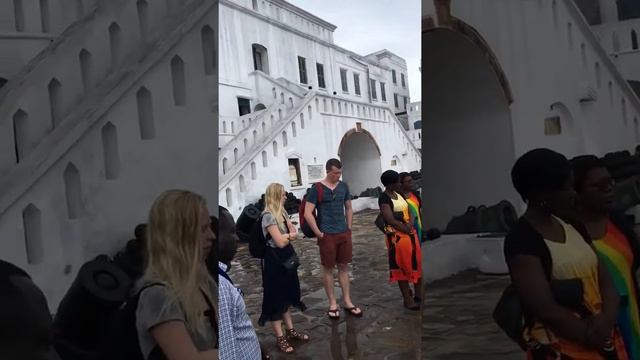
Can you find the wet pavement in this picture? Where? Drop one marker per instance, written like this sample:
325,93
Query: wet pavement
386,331
457,321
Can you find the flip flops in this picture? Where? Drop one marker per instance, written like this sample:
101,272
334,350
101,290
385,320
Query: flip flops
333,314
351,311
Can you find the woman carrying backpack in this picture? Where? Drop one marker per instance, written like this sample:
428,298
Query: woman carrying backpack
175,317
279,270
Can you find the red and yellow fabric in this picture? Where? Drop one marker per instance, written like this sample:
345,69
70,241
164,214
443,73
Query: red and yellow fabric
572,259
405,256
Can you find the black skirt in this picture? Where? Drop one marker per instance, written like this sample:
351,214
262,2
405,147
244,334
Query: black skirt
281,286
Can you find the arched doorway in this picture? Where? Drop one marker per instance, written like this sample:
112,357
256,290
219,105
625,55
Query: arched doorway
469,146
360,157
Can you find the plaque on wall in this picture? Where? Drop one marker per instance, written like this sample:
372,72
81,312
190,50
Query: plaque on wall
315,172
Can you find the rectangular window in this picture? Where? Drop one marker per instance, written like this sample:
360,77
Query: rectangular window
343,79
302,67
257,60
395,100
383,93
294,172
244,106
393,76
552,126
320,71
356,83
406,99
373,90
402,80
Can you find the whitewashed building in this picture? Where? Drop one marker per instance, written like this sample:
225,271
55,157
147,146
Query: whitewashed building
415,123
290,99
103,105
542,77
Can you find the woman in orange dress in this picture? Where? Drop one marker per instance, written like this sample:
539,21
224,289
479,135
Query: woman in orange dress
403,246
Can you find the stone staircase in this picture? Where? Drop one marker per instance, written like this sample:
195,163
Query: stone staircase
265,132
24,95
57,198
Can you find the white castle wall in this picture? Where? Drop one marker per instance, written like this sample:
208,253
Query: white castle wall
328,114
176,153
616,38
27,27
555,66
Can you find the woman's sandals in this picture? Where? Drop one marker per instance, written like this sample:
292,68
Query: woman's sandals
283,344
290,334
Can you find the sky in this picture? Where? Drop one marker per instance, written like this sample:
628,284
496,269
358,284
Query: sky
366,26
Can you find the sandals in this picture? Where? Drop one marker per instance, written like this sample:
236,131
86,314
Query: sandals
292,334
352,311
334,314
283,344
415,307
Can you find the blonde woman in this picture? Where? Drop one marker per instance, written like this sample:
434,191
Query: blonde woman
279,271
175,315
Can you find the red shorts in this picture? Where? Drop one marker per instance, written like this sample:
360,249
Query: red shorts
335,249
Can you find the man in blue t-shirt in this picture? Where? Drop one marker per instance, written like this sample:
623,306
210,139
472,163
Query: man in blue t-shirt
335,217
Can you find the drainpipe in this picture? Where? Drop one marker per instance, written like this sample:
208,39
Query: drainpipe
369,84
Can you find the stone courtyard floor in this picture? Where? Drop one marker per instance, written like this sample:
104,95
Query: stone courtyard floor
457,321
386,331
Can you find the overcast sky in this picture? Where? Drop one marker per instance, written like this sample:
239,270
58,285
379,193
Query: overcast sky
366,26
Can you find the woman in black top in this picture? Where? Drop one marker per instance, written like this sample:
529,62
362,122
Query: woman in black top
547,245
403,246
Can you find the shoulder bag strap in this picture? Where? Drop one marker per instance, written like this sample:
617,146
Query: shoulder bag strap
224,274
320,191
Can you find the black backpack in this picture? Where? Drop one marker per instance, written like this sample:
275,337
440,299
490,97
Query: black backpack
122,342
257,240
304,225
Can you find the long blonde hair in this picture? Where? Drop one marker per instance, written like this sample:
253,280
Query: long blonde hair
174,254
273,202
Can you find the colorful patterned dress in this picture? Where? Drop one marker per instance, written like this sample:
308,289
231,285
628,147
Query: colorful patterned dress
616,254
414,209
572,259
405,257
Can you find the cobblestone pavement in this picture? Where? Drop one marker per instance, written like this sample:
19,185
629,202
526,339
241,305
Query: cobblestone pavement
386,331
457,322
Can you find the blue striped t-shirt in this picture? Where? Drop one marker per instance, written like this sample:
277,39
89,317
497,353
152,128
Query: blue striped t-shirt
331,211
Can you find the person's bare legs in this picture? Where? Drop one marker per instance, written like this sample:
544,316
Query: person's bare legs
418,289
406,293
277,328
327,282
290,332
288,322
343,278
